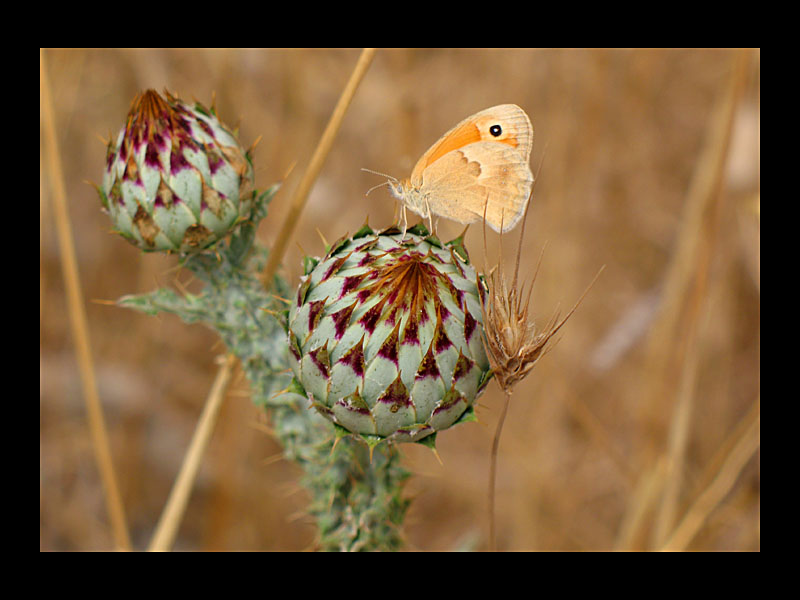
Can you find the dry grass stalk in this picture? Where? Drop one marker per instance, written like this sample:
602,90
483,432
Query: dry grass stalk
172,515
79,327
686,289
513,343
746,445
314,167
625,127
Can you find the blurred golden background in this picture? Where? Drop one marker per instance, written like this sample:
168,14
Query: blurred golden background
639,430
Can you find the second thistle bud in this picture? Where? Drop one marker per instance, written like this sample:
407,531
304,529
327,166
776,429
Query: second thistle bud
386,336
176,179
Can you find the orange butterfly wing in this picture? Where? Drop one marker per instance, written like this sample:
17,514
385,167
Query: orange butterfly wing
515,130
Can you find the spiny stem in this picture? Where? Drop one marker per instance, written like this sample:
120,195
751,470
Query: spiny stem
493,473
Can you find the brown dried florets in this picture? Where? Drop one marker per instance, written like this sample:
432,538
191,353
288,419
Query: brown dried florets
513,343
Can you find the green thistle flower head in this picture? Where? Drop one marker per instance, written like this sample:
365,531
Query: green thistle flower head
176,179
385,335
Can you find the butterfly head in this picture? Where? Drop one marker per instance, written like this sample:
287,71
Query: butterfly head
402,190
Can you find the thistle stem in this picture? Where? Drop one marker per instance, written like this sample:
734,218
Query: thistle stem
493,473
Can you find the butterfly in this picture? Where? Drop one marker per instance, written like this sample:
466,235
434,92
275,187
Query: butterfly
478,168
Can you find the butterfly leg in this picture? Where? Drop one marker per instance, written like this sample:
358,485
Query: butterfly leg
405,223
430,217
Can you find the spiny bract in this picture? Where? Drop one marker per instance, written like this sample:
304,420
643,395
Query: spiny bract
176,179
385,335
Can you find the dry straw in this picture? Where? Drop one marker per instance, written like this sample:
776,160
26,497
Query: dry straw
513,343
672,359
314,167
77,319
174,509
172,514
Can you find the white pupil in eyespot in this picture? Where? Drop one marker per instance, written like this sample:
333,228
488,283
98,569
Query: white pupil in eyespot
495,130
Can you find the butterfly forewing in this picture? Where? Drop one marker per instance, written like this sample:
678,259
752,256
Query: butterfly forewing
480,167
514,130
472,180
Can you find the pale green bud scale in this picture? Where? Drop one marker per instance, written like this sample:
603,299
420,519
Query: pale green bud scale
385,335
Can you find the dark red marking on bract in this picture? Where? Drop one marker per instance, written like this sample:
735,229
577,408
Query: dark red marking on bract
396,395
368,245
431,255
424,317
206,127
389,348
151,157
314,314
440,340
324,410
428,366
110,160
337,264
302,290
463,367
215,161
177,162
295,352
469,325
451,398
367,260
138,136
442,310
391,316
344,402
341,319
411,331
350,283
396,313
182,122
355,358
158,140
371,317
319,357
460,296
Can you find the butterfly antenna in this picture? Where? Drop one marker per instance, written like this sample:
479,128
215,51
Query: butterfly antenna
375,187
389,177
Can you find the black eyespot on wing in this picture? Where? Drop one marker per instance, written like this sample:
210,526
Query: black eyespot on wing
496,130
